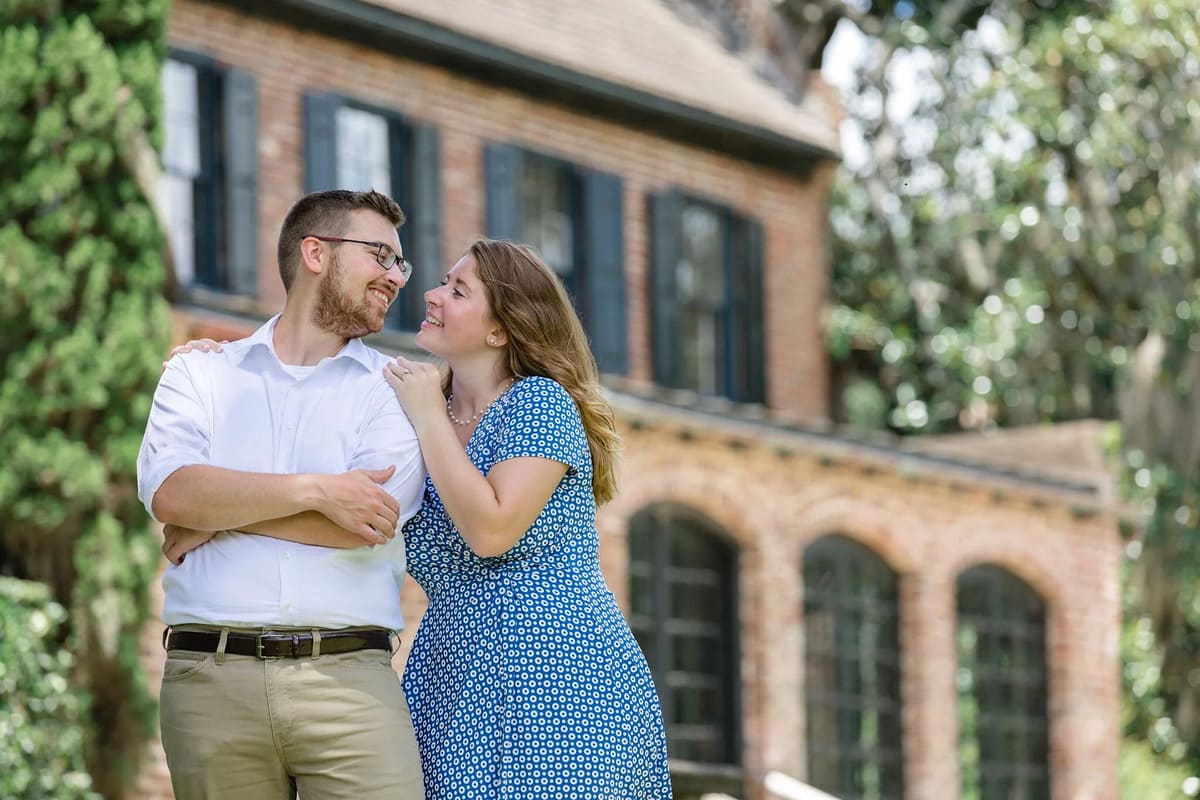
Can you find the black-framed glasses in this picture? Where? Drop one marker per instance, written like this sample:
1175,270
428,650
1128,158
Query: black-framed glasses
385,256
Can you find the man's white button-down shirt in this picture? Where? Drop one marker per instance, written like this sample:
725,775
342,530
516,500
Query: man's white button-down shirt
244,409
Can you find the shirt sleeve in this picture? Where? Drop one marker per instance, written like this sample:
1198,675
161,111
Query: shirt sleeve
388,438
542,421
178,432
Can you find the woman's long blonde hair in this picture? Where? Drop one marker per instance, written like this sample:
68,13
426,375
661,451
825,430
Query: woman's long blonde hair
546,338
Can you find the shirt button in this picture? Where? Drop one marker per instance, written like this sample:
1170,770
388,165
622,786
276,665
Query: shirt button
291,427
287,606
287,554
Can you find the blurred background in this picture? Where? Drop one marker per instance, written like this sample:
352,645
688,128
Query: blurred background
897,303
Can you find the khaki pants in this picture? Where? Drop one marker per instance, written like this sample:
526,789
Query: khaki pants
333,726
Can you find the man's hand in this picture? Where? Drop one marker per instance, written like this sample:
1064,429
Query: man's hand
178,542
356,501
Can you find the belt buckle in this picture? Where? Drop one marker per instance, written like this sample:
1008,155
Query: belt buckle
293,640
258,646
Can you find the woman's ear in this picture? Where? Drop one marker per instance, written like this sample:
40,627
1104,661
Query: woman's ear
497,337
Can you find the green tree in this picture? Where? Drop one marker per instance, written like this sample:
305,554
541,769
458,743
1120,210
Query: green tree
1022,247
83,326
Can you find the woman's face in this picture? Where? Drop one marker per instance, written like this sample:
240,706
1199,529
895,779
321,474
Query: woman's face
458,319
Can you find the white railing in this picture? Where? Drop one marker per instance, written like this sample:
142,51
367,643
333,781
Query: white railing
782,786
788,788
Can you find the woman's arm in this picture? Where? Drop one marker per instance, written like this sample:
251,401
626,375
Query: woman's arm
491,512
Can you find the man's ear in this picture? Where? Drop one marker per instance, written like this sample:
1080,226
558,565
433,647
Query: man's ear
312,255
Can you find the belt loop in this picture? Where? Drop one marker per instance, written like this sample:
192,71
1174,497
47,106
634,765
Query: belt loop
166,633
220,657
316,653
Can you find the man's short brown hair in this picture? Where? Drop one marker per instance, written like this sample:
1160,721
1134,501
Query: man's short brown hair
326,214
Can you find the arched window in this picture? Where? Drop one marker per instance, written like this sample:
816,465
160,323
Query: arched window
1002,719
852,672
683,582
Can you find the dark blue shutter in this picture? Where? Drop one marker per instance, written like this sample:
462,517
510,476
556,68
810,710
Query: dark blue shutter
320,142
502,172
241,181
665,220
425,221
604,269
399,160
400,170
748,358
207,188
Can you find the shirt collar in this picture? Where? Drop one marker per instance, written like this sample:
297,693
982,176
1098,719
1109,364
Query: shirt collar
264,339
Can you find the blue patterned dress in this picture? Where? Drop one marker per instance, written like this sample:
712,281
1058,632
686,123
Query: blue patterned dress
524,680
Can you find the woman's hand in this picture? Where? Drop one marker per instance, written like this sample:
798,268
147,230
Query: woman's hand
178,542
418,387
203,345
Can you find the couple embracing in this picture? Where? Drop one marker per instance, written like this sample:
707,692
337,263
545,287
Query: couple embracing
285,465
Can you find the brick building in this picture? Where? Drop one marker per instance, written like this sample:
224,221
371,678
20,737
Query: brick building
876,620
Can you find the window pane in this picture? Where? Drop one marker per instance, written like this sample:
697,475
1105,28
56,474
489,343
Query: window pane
363,155
177,195
700,278
641,597
546,213
1001,681
692,642
699,552
852,680
181,118
700,598
701,273
181,163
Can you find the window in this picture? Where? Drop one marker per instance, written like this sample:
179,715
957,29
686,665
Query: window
363,157
707,302
210,173
549,210
703,300
573,217
852,672
683,612
1002,716
353,145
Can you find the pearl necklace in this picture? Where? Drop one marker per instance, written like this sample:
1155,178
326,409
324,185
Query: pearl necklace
475,417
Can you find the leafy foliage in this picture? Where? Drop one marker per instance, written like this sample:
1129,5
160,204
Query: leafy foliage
41,749
82,330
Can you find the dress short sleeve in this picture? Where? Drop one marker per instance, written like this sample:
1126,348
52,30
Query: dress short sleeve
541,420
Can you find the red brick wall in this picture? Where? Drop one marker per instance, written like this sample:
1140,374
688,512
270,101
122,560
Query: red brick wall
927,526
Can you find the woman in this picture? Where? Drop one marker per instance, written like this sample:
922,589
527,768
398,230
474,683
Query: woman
524,680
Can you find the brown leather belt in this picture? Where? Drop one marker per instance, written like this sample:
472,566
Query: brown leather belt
280,645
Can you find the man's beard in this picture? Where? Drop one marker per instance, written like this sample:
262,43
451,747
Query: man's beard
337,312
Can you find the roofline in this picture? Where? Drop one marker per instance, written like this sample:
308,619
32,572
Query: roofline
724,420
394,32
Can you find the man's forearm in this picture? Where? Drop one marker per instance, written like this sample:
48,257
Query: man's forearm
213,498
309,527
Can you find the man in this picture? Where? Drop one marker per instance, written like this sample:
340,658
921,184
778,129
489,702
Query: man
278,675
